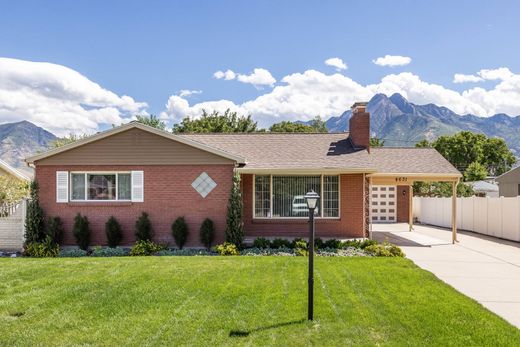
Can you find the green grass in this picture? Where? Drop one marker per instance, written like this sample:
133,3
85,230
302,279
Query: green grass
214,301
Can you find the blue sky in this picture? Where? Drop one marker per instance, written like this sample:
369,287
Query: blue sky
151,50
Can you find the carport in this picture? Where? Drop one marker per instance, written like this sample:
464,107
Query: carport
408,179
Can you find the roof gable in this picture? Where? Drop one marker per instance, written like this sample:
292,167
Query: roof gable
157,140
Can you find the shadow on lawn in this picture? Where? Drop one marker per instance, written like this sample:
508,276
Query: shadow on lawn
244,333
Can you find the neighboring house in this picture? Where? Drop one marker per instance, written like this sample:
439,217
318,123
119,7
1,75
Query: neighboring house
484,188
509,183
8,170
133,168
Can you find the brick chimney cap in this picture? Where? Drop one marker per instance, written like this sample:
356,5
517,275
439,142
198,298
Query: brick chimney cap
359,104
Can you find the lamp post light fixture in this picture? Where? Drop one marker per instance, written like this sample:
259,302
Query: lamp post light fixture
312,199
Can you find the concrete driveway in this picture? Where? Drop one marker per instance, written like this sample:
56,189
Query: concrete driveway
482,267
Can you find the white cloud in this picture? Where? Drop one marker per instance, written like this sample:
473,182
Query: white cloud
392,60
336,63
502,73
58,98
187,92
259,77
227,75
462,78
302,96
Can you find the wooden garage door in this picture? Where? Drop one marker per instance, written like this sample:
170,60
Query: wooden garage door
384,206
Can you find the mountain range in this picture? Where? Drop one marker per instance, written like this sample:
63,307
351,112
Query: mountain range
393,119
402,123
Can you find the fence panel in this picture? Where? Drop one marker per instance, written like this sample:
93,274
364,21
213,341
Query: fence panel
499,217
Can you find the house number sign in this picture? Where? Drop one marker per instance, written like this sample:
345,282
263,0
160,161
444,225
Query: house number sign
401,179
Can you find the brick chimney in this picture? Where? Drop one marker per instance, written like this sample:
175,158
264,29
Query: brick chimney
359,126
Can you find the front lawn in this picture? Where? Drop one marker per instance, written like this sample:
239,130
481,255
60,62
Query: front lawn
213,301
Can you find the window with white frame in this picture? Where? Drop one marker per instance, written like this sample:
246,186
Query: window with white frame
100,186
283,196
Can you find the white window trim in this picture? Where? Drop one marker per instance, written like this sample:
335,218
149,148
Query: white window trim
295,218
85,173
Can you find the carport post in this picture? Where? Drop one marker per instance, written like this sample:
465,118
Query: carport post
410,207
454,211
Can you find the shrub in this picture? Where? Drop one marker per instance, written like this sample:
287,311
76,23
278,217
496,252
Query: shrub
332,243
261,242
350,243
146,247
235,226
73,253
180,232
318,243
34,221
184,252
384,250
54,229
227,248
81,231
366,243
143,228
207,233
47,248
301,248
109,252
113,232
281,243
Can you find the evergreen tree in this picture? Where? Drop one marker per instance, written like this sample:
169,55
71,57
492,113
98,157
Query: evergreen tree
34,221
235,227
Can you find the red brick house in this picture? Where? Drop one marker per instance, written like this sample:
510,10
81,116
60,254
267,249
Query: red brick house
133,168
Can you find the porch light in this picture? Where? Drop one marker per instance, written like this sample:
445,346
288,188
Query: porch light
312,199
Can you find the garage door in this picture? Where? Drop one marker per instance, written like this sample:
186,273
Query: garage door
383,204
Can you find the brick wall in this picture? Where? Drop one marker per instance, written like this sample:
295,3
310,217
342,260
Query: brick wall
359,129
403,202
167,195
349,225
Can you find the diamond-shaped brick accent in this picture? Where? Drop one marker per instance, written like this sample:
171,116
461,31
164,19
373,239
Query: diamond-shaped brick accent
204,184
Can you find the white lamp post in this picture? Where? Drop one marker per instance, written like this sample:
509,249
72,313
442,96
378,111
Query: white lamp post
312,199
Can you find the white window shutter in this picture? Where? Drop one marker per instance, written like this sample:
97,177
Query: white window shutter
62,186
138,186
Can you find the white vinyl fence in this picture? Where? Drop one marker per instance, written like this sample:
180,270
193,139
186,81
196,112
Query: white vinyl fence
499,217
12,226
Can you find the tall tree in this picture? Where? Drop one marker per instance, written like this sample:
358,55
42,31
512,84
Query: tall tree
235,225
152,121
34,219
62,141
291,127
475,172
216,122
319,125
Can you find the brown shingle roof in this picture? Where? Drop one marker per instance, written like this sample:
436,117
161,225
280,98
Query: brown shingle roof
318,151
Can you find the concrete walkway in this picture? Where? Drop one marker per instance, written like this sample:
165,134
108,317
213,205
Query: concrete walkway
484,268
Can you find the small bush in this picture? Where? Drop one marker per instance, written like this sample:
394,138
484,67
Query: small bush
207,233
146,247
81,231
73,253
184,252
43,249
55,229
261,242
318,243
281,243
227,248
114,232
350,243
384,250
180,232
109,252
301,248
143,228
332,243
367,242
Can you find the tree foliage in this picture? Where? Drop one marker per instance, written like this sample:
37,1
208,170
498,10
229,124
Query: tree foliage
34,219
71,138
12,189
216,122
464,148
235,227
207,233
143,228
441,189
81,231
152,121
180,232
376,142
317,125
475,172
114,232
